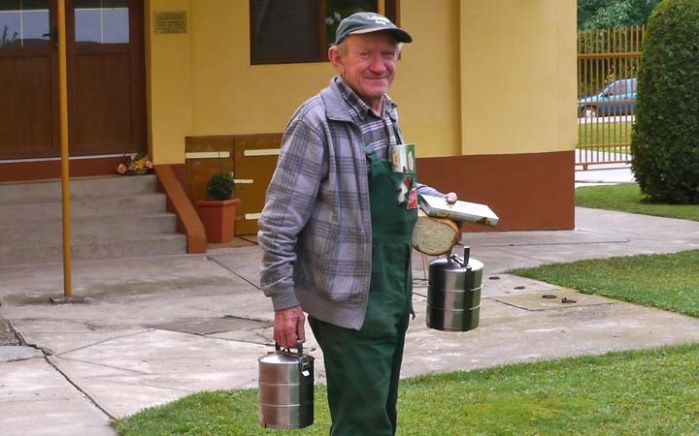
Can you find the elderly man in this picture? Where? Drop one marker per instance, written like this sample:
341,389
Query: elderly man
336,232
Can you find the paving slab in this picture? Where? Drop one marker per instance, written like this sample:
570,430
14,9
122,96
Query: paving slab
7,336
35,399
156,366
11,353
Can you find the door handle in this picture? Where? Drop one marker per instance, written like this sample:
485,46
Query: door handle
53,36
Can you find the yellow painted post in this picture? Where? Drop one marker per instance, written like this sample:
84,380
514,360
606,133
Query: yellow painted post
65,168
381,7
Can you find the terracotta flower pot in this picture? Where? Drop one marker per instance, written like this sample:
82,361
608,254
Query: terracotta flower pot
218,218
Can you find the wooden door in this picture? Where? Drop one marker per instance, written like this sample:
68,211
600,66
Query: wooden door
28,85
105,66
106,85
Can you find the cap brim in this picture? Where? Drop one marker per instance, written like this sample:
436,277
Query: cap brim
400,34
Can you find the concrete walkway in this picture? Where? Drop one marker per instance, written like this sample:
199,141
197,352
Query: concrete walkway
152,330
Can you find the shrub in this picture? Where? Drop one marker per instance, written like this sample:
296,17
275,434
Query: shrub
665,140
220,186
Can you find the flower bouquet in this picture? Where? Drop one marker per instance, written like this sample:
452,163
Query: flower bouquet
135,164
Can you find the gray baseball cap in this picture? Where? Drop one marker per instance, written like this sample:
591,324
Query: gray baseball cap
367,22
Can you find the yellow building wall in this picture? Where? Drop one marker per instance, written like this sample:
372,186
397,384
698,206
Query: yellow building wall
168,84
427,87
482,77
518,69
231,96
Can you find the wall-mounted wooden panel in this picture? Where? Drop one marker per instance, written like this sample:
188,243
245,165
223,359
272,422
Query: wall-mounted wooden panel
251,159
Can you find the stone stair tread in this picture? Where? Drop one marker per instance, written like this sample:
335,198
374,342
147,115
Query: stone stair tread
88,227
73,198
88,241
111,217
83,198
80,188
146,203
107,216
81,219
171,244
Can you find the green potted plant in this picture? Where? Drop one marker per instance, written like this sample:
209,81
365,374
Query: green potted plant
218,211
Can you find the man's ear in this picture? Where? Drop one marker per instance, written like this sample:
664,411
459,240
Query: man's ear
334,57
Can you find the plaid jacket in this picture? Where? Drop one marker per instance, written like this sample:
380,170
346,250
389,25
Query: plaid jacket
315,228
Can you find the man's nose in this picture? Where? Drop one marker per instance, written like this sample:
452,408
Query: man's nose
377,63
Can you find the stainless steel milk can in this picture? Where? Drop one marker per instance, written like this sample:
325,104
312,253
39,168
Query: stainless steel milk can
454,292
286,389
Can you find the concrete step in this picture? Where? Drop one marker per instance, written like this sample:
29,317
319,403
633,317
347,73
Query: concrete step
125,247
90,228
149,203
80,188
111,217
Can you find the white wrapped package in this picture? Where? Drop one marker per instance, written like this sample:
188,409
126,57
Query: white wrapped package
462,211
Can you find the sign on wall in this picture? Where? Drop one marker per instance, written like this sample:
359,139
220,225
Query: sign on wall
170,22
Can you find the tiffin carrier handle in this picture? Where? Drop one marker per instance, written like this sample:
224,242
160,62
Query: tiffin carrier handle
299,348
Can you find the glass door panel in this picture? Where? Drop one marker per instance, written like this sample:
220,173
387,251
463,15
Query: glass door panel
102,21
24,23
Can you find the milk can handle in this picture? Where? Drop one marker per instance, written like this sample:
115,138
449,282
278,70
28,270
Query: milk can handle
299,348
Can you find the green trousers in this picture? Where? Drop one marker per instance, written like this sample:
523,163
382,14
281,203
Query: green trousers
363,367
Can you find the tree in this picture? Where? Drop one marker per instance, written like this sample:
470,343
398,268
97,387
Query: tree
605,14
665,139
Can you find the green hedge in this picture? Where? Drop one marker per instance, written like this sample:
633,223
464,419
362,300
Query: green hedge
665,140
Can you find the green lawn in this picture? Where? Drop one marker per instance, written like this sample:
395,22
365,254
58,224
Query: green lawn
666,281
650,392
630,393
627,197
596,133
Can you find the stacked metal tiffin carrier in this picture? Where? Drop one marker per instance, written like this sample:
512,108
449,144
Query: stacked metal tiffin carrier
454,291
286,389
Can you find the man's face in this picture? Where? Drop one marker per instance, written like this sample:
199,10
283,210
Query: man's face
368,64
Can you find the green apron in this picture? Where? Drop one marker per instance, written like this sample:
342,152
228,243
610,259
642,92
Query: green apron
363,367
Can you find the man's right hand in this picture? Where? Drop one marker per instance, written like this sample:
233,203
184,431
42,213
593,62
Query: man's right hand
289,326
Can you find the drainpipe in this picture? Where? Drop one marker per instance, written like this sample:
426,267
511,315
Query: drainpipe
65,168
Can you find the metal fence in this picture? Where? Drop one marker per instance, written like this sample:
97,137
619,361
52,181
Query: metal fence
608,62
